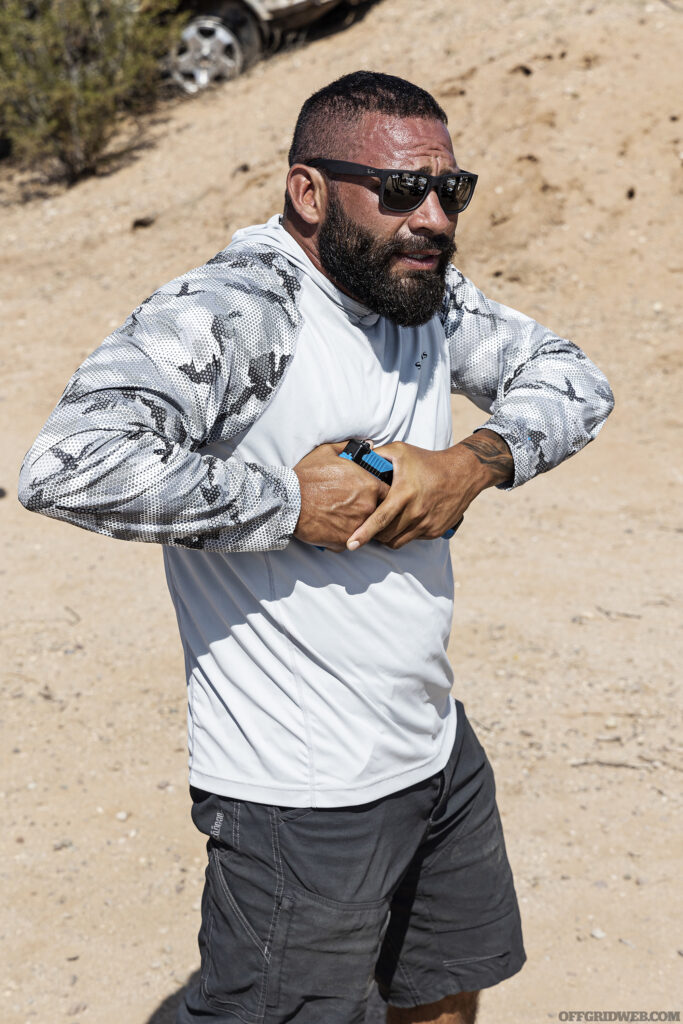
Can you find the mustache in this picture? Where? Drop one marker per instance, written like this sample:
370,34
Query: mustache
441,243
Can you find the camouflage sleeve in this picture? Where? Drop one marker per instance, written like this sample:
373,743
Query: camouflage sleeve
122,454
545,397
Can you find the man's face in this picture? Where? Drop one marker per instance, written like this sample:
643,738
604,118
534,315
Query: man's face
395,263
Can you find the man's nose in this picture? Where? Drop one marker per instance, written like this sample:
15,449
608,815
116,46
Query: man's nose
430,215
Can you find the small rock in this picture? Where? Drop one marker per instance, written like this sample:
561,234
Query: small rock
122,815
143,222
611,723
598,933
62,844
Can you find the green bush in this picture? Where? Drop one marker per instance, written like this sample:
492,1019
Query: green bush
71,69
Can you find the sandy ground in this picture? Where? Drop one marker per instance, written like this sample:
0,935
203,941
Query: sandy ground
564,641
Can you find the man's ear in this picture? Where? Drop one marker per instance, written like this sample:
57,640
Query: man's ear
307,190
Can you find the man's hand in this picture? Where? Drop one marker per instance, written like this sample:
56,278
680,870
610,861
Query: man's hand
336,497
431,490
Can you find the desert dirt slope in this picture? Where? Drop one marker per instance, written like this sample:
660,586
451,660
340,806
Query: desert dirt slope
564,641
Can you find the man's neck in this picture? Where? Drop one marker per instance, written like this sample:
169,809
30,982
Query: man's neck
308,243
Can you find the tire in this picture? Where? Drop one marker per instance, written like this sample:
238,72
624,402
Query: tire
218,42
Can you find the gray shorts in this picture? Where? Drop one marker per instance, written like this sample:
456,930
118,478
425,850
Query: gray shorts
303,910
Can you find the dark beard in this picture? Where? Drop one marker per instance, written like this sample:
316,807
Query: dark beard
361,265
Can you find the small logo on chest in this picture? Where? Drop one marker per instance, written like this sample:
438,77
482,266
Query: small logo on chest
419,363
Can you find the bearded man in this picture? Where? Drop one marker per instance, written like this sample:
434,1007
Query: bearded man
350,809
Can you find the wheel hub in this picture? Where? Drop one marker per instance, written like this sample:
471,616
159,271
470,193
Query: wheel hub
208,51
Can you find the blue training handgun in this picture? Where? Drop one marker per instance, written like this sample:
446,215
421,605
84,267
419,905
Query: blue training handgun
361,453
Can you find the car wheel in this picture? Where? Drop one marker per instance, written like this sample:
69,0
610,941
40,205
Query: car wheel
217,44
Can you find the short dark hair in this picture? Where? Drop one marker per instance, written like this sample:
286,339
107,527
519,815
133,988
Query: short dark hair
318,131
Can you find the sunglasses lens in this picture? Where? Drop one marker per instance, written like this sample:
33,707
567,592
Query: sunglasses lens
456,192
404,190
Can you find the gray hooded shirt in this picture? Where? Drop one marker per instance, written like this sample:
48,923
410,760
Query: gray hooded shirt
314,678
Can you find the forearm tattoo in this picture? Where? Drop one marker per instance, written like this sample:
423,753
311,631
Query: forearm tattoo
492,451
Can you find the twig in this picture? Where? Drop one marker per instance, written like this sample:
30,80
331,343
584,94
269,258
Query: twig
617,615
611,764
672,7
655,761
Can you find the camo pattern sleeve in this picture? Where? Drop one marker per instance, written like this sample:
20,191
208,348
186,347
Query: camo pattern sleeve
545,397
195,363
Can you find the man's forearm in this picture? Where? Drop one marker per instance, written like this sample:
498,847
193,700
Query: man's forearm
431,490
544,396
493,454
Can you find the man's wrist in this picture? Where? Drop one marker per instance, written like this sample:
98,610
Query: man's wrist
496,465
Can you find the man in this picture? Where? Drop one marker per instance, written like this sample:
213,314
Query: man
350,810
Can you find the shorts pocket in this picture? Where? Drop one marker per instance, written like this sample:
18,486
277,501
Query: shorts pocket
234,957
324,949
286,814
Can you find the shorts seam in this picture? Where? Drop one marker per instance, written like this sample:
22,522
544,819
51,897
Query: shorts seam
205,965
334,904
236,824
459,984
473,959
216,1002
236,909
405,976
277,906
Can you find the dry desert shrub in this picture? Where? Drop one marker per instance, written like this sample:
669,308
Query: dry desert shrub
70,70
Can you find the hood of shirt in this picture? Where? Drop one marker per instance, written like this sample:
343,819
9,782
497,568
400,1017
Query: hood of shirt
274,235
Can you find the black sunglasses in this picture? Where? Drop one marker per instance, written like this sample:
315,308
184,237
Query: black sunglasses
403,191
